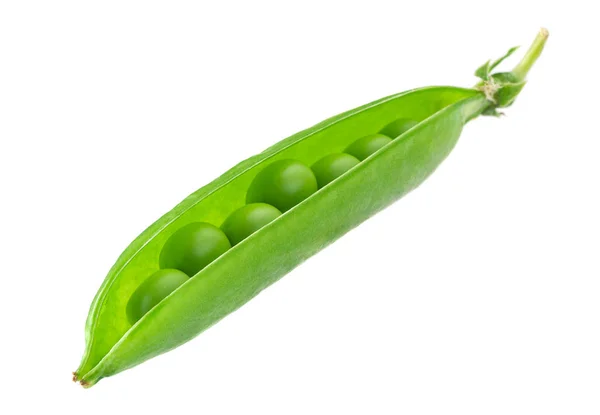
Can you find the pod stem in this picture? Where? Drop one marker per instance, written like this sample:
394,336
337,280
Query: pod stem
535,50
501,88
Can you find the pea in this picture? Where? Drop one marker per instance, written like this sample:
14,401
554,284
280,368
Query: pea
333,166
193,247
398,127
247,220
365,146
152,291
112,345
283,184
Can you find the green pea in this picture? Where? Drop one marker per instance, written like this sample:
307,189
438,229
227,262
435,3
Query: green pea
283,184
398,127
152,291
247,220
112,345
193,247
365,146
333,166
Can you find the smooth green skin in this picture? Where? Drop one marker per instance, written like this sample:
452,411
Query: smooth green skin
398,127
333,166
366,146
152,291
283,184
248,219
238,275
193,247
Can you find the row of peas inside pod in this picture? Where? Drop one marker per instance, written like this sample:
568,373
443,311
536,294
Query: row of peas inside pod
277,188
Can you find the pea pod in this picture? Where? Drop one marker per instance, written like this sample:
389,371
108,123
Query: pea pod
438,115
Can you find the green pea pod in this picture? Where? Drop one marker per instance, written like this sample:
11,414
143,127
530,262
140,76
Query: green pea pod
113,344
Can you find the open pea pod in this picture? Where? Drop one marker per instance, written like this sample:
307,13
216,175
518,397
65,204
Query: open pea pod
113,344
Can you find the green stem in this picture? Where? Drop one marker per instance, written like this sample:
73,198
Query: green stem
534,52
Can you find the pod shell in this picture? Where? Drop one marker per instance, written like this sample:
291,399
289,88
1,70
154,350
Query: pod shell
264,257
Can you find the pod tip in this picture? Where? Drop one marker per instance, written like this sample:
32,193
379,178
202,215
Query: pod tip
544,32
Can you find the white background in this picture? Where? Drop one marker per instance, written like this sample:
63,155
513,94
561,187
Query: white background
478,293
